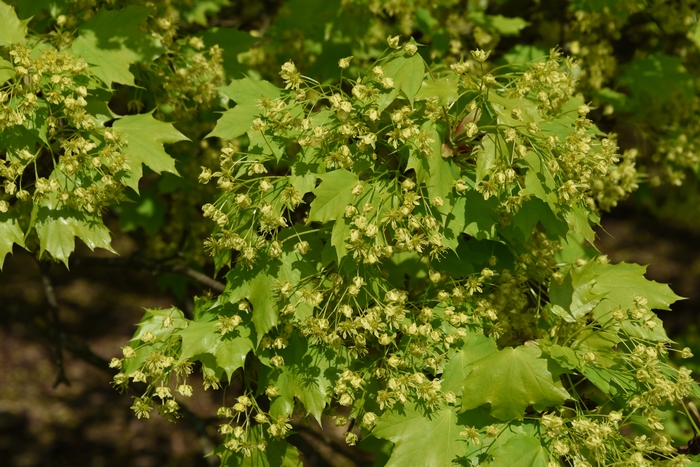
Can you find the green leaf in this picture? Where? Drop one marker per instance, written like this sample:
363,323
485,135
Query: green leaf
57,229
7,71
265,314
235,122
233,42
694,35
340,233
492,148
112,41
617,99
255,287
511,380
573,299
249,91
196,12
578,220
436,172
145,138
332,195
532,212
230,350
10,233
476,347
421,439
522,54
620,283
445,89
539,181
499,23
245,93
657,77
12,30
480,215
520,451
407,73
308,375
503,106
152,321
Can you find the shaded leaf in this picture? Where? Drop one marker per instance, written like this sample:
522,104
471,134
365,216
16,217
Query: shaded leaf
511,380
332,195
245,93
308,374
499,23
112,41
476,347
255,287
520,451
145,139
657,77
233,42
573,299
230,350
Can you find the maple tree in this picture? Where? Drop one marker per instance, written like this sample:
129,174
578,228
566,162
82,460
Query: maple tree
405,231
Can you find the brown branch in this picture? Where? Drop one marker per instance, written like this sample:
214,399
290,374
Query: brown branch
341,450
55,331
152,266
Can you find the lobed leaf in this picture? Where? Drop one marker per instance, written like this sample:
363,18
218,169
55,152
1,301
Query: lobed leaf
332,195
112,41
421,439
145,139
10,233
13,30
511,380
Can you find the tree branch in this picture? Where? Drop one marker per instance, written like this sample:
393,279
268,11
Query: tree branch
55,331
147,265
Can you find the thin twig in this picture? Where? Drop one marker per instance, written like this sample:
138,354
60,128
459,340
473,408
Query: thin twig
55,331
152,266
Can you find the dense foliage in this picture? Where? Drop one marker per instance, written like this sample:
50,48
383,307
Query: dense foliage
401,197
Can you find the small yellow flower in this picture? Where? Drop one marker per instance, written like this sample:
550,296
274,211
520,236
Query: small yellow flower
344,62
185,390
393,41
479,55
350,438
410,49
369,419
